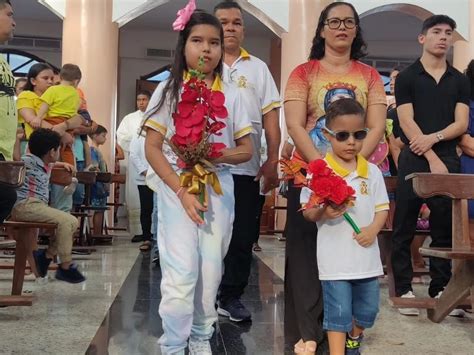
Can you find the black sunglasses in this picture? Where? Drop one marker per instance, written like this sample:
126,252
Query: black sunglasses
342,136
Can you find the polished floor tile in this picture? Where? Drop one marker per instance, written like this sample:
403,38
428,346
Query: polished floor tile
133,324
64,317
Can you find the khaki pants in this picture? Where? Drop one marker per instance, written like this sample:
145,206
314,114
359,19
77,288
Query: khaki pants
34,210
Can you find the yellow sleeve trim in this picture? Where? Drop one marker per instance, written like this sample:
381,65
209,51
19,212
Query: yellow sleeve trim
156,126
270,107
382,207
243,132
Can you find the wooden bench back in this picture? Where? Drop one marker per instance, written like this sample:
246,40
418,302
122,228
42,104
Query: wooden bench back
86,177
459,187
60,176
12,173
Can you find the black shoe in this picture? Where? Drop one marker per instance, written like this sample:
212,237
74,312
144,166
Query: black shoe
235,310
71,275
42,262
138,239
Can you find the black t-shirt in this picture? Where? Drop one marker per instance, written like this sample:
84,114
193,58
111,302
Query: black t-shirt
433,103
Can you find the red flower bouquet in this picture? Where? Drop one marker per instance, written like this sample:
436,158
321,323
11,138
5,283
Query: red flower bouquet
329,188
198,117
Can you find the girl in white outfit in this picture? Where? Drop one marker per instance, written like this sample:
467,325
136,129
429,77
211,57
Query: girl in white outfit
192,248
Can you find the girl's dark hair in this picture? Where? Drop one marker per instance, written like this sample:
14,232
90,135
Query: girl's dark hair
173,85
358,48
34,71
343,107
42,141
470,75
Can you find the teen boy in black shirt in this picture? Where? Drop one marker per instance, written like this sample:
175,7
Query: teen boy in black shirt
433,106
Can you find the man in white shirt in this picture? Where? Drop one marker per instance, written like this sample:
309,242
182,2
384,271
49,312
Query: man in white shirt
128,128
262,102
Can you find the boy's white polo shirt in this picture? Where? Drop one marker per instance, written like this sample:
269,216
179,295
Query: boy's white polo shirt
260,97
340,257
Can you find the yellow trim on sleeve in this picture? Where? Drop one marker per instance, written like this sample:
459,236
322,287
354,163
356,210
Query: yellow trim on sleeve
243,132
270,107
156,126
382,207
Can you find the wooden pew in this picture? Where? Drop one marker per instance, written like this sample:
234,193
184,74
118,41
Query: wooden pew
13,300
460,188
25,234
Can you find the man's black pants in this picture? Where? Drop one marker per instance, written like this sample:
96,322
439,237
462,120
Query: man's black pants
239,257
406,214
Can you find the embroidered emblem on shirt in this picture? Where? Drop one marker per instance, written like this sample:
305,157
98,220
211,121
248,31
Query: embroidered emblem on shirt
364,190
242,82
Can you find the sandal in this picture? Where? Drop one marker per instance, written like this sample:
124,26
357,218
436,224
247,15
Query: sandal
146,246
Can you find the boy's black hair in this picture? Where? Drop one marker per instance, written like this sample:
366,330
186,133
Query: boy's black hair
42,141
172,87
100,129
343,107
358,48
33,73
224,5
144,92
437,20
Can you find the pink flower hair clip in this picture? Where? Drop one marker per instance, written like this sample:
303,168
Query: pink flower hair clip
184,15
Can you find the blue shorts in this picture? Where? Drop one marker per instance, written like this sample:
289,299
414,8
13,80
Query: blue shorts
346,301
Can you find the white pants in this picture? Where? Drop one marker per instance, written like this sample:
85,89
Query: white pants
191,259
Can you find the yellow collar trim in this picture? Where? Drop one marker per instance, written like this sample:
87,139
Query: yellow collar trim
217,84
362,166
244,54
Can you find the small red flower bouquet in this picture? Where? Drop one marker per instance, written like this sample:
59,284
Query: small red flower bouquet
198,117
328,188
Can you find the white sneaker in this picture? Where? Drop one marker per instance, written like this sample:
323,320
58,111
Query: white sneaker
409,311
456,312
199,347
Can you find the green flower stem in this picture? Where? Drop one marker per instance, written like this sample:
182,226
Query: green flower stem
201,200
351,222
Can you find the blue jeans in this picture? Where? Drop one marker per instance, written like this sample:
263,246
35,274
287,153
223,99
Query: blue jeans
79,194
346,301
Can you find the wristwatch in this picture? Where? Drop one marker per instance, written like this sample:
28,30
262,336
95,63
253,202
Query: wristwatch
440,136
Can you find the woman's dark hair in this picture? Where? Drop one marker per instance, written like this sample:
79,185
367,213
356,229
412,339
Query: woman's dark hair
34,71
358,48
42,141
173,85
343,107
470,75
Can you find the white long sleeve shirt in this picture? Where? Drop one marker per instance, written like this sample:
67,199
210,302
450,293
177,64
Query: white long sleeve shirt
138,159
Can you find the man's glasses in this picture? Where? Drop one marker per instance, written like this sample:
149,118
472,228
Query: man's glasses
342,136
334,23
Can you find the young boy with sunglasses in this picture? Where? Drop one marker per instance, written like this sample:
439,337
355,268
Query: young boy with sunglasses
349,263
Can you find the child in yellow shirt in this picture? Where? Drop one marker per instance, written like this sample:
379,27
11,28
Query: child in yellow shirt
60,104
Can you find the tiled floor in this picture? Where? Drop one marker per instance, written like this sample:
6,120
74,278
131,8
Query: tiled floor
115,312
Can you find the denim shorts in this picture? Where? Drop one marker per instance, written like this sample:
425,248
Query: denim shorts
348,300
